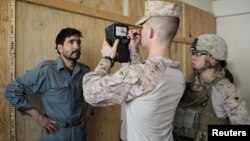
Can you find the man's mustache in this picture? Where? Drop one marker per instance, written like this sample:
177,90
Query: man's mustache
76,51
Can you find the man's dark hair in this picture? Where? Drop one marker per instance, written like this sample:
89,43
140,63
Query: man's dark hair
175,23
64,33
228,74
222,64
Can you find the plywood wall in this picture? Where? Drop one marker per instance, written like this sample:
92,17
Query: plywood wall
4,79
36,28
114,6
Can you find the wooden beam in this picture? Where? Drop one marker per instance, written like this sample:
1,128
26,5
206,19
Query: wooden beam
81,9
183,40
92,12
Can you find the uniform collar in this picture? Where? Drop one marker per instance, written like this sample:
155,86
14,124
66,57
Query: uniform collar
60,65
167,61
219,75
194,79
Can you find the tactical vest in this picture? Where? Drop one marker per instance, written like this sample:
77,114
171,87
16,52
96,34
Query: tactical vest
195,113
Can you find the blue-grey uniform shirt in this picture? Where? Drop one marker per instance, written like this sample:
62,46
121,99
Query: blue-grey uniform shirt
61,94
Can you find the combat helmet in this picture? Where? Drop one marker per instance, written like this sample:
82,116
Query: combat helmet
212,44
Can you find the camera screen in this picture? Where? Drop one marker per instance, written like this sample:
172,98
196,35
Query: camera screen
121,31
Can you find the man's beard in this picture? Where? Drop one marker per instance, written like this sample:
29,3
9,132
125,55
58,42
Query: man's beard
74,56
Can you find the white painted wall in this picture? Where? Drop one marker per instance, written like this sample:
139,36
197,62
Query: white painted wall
233,24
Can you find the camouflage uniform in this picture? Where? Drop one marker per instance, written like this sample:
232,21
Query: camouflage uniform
157,84
222,106
212,102
127,83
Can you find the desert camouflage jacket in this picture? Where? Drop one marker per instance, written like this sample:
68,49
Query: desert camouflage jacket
102,89
227,100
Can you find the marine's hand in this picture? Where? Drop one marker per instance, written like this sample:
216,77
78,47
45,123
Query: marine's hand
107,50
135,37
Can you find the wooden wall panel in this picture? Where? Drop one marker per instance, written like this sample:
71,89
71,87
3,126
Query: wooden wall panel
136,9
197,22
4,76
4,118
4,4
113,6
177,50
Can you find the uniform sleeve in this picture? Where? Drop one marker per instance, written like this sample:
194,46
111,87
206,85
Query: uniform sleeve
97,84
135,56
28,84
233,104
102,89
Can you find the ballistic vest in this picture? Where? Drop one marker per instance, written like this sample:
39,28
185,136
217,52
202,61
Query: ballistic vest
195,113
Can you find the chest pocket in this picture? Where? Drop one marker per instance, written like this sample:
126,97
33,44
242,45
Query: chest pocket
58,92
186,122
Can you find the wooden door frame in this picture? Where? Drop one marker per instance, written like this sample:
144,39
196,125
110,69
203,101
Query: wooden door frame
11,55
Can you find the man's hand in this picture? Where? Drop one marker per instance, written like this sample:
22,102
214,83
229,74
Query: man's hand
135,37
84,121
86,116
107,50
47,124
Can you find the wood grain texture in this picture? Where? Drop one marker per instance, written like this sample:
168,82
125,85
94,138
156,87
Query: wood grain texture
113,6
4,5
5,122
4,118
198,22
82,9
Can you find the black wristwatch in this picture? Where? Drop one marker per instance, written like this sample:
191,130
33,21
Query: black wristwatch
110,59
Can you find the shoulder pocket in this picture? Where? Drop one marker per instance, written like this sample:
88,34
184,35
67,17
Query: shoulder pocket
132,75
